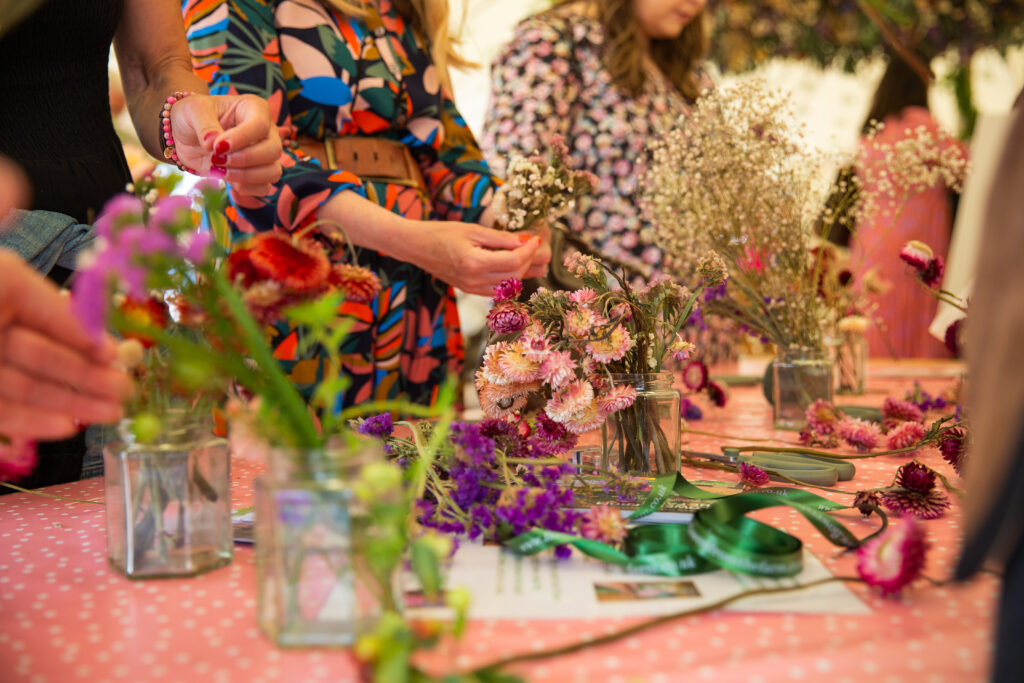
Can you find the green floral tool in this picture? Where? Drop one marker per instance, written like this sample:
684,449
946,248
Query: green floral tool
797,467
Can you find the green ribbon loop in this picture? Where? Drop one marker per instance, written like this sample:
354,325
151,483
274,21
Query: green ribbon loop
720,536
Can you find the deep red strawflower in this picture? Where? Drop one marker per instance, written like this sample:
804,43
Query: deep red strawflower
916,255
716,392
952,337
932,273
150,312
866,501
507,289
914,493
695,375
916,477
240,268
953,446
300,266
893,559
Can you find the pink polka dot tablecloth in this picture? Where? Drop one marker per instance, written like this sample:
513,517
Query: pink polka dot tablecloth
65,616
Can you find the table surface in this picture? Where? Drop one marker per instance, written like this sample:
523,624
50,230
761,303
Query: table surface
66,616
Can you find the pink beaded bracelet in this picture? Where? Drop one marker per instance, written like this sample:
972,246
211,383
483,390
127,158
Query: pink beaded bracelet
170,153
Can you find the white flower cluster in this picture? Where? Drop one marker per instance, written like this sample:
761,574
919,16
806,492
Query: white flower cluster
541,187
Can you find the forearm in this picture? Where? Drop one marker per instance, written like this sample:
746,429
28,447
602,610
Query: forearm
153,58
368,225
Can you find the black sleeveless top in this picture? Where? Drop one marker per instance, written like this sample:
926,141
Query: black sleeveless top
55,116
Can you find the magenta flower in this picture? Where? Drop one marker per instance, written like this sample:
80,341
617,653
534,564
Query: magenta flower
915,493
17,460
932,274
823,417
866,501
752,476
905,435
859,434
953,446
558,369
604,523
695,375
916,254
717,394
903,411
507,290
892,560
507,317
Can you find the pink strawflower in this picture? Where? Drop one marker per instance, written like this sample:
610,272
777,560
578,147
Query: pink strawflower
622,312
616,398
916,254
558,369
582,265
516,366
360,285
604,523
507,290
17,460
904,411
570,402
612,346
752,476
695,375
953,446
680,349
536,345
503,401
823,417
507,317
585,296
892,560
586,420
580,322
859,434
490,370
808,437
905,435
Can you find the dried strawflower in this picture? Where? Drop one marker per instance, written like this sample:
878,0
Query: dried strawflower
867,502
507,317
752,476
953,446
916,254
905,435
507,289
695,375
900,410
359,285
717,394
859,434
604,523
892,560
914,493
823,417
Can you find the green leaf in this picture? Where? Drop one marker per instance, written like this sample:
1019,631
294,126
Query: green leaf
425,566
318,313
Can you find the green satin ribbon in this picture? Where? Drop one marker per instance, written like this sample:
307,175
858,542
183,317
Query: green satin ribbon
721,536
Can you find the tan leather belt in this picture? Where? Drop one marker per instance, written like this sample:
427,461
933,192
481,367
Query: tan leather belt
368,158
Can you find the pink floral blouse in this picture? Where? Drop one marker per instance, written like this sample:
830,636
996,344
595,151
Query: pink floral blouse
550,80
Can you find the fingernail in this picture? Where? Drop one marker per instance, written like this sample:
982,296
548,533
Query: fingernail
218,172
219,159
523,239
211,134
222,147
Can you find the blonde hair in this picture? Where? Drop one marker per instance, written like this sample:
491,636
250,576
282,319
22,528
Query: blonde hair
429,18
623,57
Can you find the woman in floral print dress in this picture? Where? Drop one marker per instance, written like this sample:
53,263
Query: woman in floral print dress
608,76
351,68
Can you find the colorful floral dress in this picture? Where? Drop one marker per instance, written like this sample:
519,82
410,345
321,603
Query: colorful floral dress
325,73
550,80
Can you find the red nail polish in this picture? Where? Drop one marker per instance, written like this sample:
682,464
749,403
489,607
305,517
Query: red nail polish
222,147
219,159
523,239
211,134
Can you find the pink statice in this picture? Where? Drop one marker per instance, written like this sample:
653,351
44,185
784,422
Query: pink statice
953,447
616,398
903,411
557,369
905,435
823,417
859,434
612,346
17,459
752,476
516,366
695,375
507,290
507,317
894,559
604,523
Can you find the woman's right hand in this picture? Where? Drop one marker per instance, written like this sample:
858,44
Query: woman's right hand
471,257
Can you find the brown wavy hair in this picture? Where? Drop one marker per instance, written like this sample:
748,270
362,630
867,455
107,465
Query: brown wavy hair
623,57
429,18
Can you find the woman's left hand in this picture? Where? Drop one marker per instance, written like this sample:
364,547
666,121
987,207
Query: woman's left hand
230,137
542,257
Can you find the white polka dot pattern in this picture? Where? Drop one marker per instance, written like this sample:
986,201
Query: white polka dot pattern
66,616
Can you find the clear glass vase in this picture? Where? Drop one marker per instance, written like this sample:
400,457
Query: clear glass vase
168,502
799,378
850,362
314,585
643,439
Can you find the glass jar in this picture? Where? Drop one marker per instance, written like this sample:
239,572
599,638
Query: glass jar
169,501
799,378
850,362
643,439
313,585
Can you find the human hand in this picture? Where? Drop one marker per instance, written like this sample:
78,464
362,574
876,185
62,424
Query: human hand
14,188
542,257
52,374
472,257
229,137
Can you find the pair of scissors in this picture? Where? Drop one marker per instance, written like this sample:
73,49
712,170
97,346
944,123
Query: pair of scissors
790,467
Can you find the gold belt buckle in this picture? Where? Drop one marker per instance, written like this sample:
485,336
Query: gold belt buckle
329,156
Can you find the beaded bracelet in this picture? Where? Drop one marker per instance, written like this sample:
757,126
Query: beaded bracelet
165,124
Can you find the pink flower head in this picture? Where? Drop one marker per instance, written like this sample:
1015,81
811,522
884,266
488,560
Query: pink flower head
823,417
582,265
571,401
557,369
904,411
892,560
507,290
503,401
916,254
752,476
695,375
536,346
680,349
580,321
612,346
616,398
915,493
604,523
585,296
17,460
932,273
953,446
867,501
507,317
622,312
905,435
489,369
359,285
589,419
859,434
515,365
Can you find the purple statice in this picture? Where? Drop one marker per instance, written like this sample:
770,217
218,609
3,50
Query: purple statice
470,483
923,400
690,410
294,507
507,437
379,426
472,444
